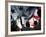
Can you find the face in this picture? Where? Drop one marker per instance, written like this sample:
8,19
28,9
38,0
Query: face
34,19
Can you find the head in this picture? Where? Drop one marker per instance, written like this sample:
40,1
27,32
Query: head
35,18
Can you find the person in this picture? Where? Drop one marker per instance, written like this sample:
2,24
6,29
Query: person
35,20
